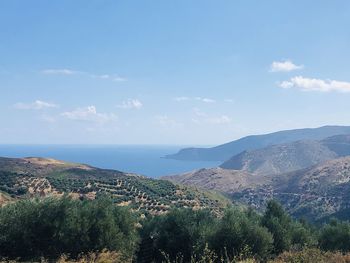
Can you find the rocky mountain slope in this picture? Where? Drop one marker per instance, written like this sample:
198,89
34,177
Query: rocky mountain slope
29,177
218,179
226,151
314,193
283,158
310,178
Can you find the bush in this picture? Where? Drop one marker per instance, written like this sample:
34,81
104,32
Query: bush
335,236
104,256
286,232
312,255
180,233
238,234
50,227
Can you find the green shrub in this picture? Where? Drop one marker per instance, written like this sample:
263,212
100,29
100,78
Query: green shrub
51,227
237,232
335,236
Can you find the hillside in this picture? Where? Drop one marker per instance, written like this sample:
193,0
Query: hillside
28,177
218,179
315,192
225,151
283,158
5,198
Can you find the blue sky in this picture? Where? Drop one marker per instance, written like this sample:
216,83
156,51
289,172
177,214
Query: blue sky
170,72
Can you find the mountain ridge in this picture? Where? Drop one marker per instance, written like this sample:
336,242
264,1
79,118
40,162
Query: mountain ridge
317,192
225,151
283,158
310,178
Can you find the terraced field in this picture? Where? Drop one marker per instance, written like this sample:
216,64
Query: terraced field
141,194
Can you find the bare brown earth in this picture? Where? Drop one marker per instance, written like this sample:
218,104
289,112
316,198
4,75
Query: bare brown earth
219,179
5,199
37,166
47,162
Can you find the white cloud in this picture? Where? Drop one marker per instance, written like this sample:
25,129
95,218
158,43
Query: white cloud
131,104
199,113
60,72
36,105
116,78
202,117
223,119
181,98
119,78
310,84
112,77
105,76
205,100
184,98
167,122
284,66
88,114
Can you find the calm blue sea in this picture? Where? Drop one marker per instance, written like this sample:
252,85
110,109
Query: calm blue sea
145,160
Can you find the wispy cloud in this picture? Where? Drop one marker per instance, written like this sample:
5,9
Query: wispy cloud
112,77
64,71
36,105
181,98
223,119
184,98
60,72
166,122
205,100
119,78
284,66
311,84
131,104
88,114
204,118
197,112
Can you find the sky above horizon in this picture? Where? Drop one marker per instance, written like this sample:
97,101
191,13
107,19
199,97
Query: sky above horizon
170,72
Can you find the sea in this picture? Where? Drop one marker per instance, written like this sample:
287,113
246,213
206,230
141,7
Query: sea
145,160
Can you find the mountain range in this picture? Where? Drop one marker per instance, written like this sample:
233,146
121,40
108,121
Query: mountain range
311,178
225,151
283,158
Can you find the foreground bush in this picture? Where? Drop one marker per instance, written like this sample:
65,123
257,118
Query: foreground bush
240,234
286,232
335,236
185,236
104,256
50,227
181,234
312,255
99,231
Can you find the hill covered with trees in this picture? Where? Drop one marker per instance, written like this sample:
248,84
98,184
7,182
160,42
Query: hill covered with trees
31,177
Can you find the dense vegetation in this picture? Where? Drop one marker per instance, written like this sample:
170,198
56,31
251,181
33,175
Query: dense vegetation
145,195
31,229
50,227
